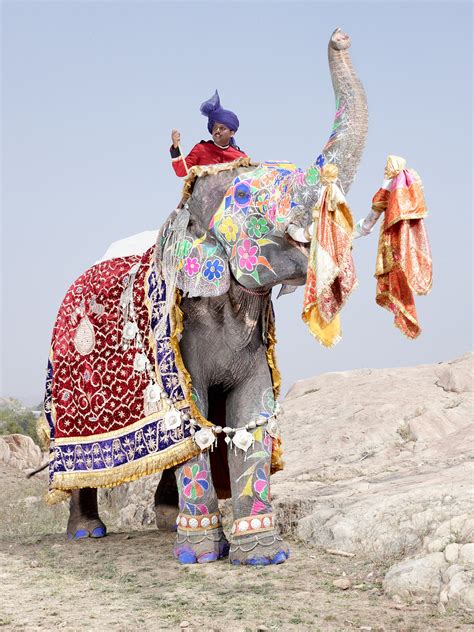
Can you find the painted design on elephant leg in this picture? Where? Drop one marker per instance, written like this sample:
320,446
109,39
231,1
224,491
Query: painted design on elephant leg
195,396
268,400
199,539
261,485
254,540
201,547
257,475
195,481
193,486
259,549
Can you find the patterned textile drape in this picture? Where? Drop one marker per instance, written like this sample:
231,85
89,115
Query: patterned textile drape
404,264
112,381
331,274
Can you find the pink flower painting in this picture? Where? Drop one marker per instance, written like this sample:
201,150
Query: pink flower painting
191,267
247,255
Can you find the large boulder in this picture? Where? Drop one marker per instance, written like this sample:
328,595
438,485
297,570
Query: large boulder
132,504
444,569
20,451
379,462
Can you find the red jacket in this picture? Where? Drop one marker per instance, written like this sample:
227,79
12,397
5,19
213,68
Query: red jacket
204,153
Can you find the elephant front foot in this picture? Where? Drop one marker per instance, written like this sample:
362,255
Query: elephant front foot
200,539
255,542
80,528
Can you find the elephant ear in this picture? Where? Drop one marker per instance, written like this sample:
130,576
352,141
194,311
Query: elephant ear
192,259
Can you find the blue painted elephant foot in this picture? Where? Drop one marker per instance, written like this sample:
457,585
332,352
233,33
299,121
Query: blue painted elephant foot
84,520
260,548
198,543
86,528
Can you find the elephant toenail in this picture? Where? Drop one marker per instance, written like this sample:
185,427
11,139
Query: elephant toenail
258,561
186,557
99,532
279,558
81,534
207,557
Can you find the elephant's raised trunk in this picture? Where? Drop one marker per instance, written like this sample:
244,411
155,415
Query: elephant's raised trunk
346,142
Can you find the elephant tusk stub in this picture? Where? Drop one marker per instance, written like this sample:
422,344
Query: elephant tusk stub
300,234
300,237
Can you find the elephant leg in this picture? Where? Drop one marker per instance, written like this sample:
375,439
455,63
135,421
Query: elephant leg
254,539
166,501
84,520
200,537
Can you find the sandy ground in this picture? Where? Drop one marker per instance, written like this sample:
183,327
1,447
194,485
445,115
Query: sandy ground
130,581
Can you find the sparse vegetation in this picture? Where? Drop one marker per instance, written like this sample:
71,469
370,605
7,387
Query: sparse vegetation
17,419
405,432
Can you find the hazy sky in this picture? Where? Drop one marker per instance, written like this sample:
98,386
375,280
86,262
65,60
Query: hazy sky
91,90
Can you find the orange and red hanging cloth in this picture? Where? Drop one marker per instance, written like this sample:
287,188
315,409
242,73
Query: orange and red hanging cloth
404,265
331,274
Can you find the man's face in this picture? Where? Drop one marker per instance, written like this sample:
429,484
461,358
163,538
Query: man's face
221,134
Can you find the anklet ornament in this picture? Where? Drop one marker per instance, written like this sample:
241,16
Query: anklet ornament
250,542
193,537
252,524
198,523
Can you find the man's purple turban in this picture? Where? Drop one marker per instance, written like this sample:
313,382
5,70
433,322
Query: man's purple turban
216,114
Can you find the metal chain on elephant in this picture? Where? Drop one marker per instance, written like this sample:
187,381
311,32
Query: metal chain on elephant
246,544
242,437
215,535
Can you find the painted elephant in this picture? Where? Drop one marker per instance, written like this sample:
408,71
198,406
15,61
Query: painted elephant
164,359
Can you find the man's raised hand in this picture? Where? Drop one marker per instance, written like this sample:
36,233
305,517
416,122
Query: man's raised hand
175,138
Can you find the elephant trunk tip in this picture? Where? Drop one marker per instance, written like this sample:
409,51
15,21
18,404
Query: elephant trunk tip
339,40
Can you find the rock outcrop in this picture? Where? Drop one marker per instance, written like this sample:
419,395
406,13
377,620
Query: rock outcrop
379,463
132,503
20,452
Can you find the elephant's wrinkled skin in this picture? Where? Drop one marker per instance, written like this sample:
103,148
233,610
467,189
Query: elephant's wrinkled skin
224,345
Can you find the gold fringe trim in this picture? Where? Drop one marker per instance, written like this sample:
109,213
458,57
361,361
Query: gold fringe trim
271,358
43,431
277,462
66,481
209,170
56,496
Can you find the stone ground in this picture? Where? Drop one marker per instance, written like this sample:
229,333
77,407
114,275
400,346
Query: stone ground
379,467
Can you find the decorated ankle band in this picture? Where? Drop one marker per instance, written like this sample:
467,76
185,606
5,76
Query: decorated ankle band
198,523
252,524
